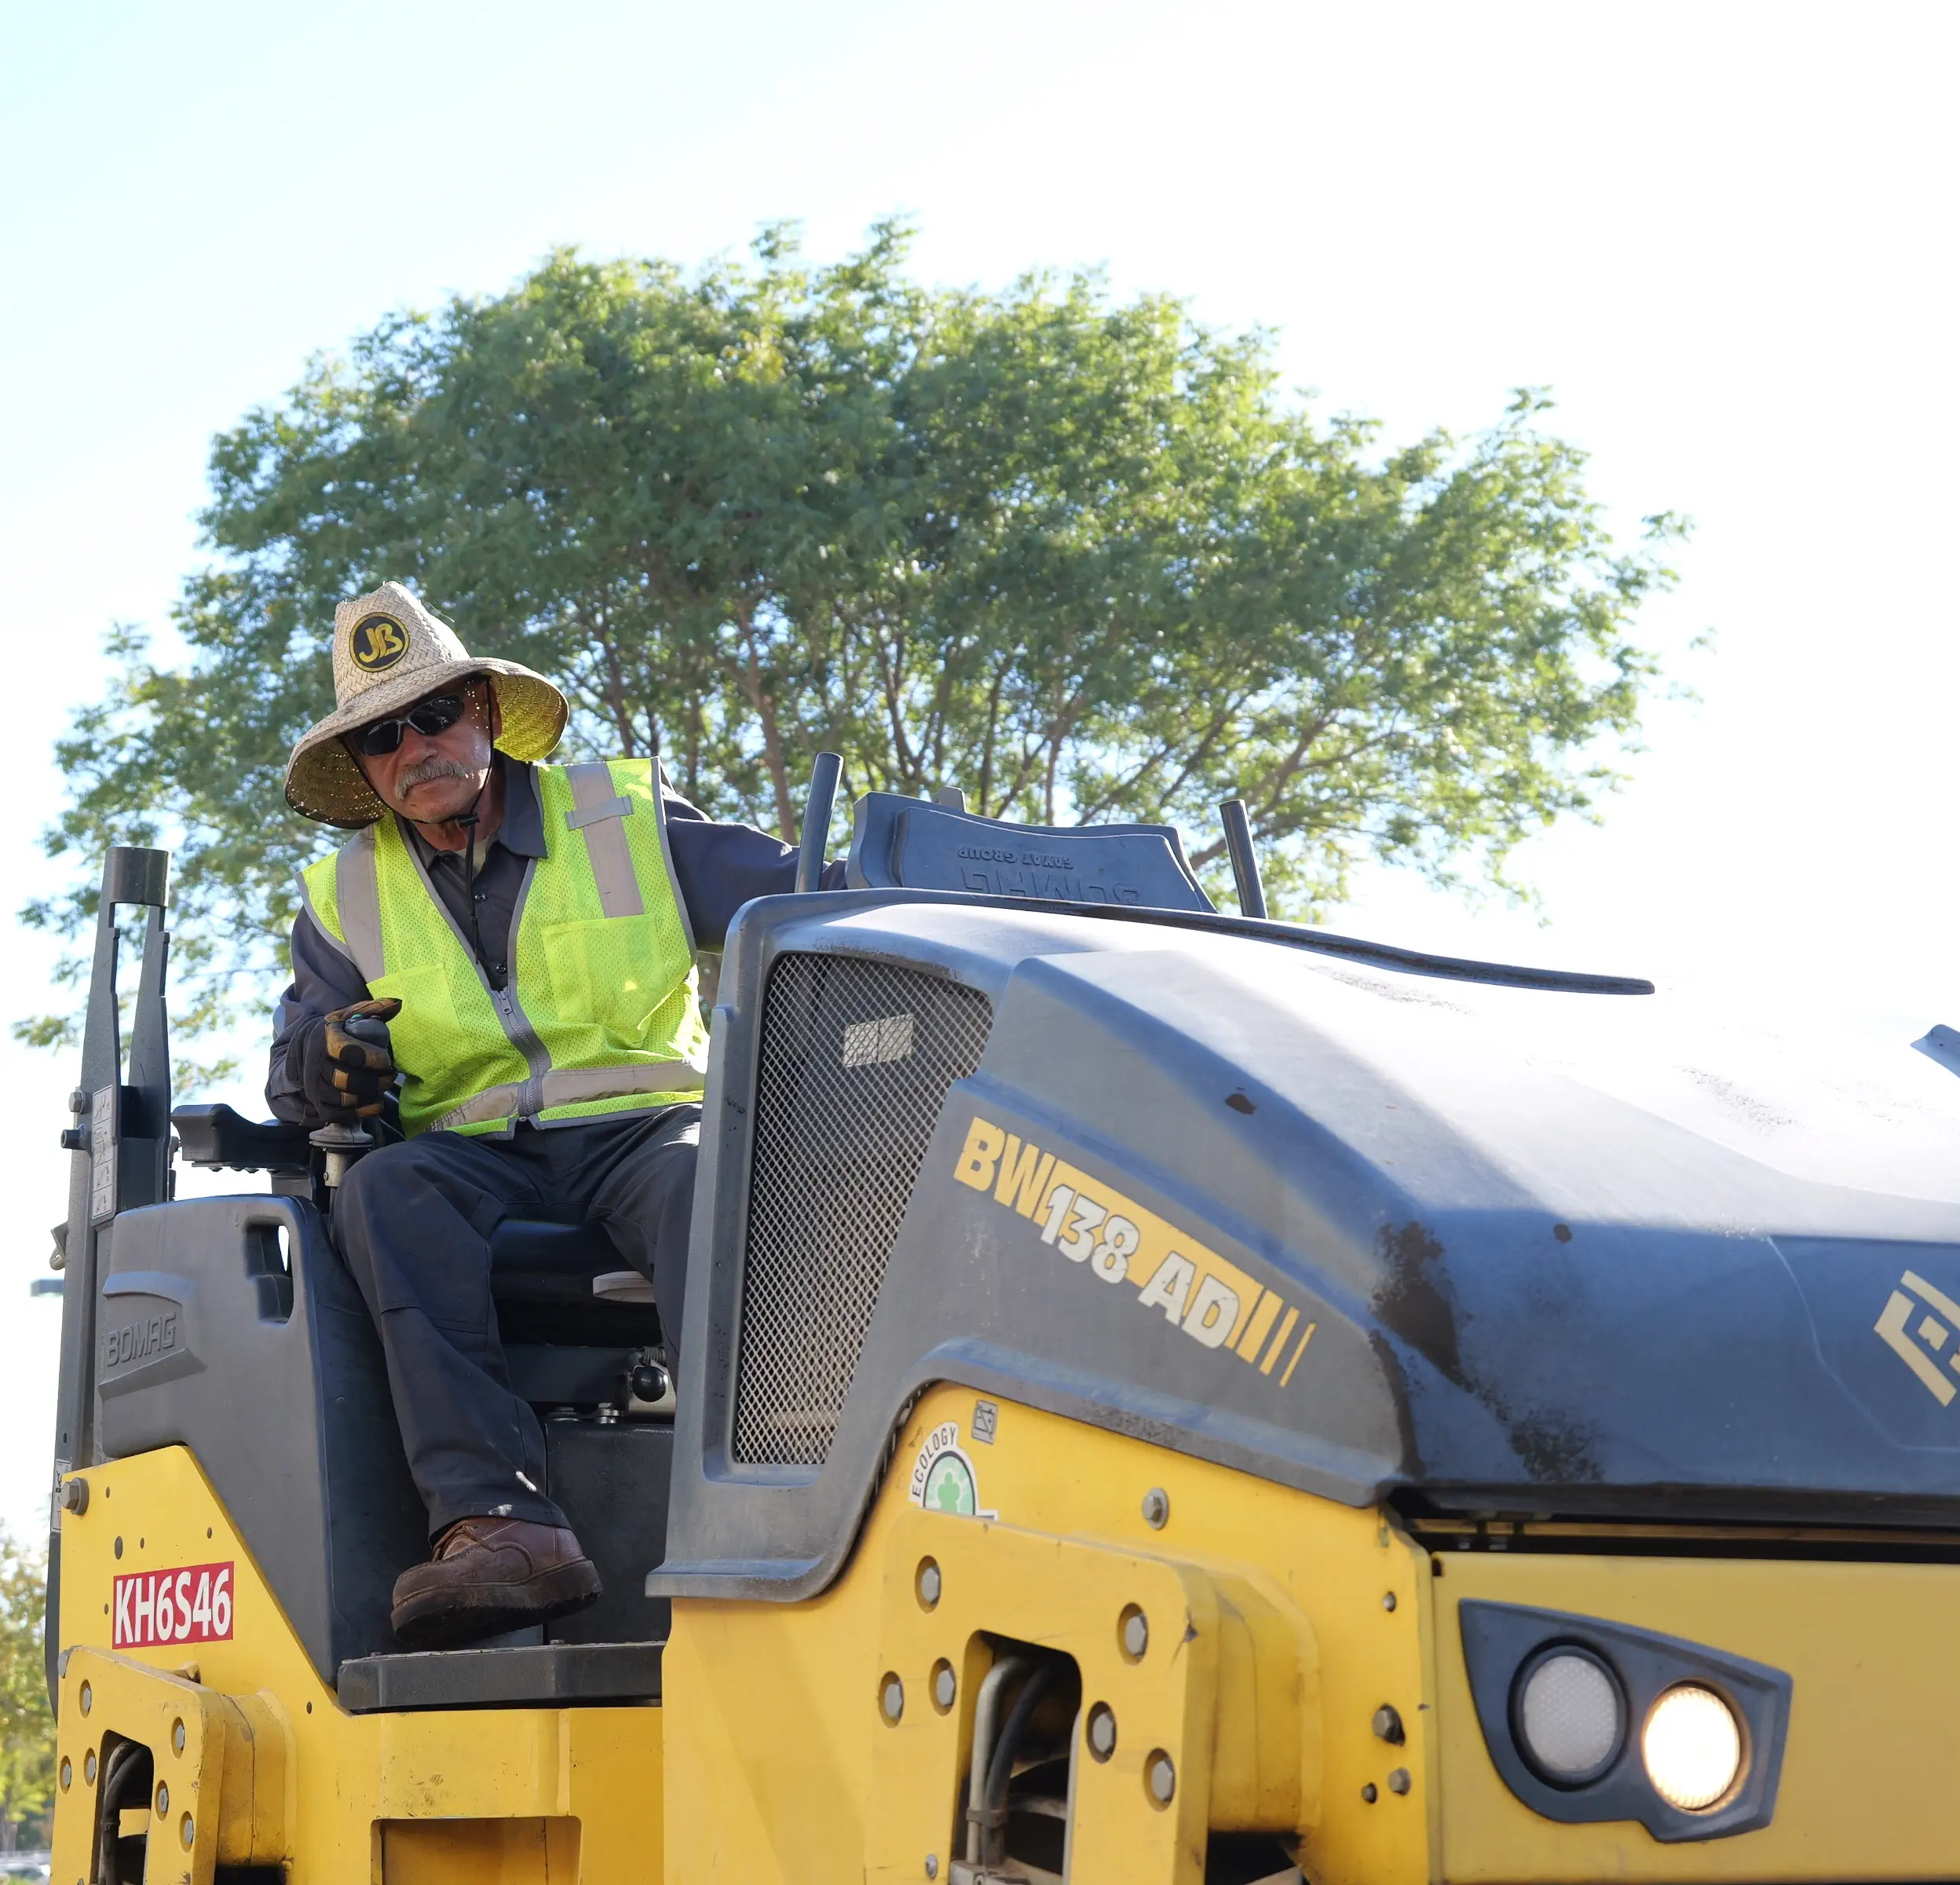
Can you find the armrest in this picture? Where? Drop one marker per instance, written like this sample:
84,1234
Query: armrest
215,1136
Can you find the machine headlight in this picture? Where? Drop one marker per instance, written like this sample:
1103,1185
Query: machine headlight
1590,1721
1570,1715
1692,1746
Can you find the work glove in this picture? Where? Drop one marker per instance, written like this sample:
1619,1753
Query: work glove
350,1061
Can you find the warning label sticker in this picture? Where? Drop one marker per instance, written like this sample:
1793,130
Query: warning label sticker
192,1605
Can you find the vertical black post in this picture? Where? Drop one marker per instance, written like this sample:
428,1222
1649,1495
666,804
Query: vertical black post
1238,842
119,1159
817,809
144,1176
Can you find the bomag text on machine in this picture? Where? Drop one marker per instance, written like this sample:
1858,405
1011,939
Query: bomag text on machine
1176,1399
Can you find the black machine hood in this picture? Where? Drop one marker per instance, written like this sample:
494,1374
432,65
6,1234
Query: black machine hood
1571,1245
1560,1253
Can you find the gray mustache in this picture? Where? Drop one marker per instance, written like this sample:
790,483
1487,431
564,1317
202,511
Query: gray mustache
433,767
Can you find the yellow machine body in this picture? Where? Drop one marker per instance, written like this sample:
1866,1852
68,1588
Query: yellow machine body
1278,1624
273,1771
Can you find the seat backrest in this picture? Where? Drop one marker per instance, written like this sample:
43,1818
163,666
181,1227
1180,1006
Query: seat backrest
915,845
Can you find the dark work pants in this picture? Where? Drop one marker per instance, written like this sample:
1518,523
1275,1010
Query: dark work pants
414,1222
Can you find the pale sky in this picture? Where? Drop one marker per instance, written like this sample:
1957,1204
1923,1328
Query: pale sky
1720,234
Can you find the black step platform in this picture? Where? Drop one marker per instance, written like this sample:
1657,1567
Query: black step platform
540,1674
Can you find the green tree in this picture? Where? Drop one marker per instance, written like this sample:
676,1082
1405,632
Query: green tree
1076,556
27,1727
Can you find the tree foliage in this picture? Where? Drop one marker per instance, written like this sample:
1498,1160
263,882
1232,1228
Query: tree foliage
27,1727
1074,555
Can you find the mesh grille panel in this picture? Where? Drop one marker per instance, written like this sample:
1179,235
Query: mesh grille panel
856,1059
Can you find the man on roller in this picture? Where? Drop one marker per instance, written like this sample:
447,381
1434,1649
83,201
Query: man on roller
509,947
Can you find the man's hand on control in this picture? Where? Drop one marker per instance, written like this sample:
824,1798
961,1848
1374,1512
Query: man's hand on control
352,1065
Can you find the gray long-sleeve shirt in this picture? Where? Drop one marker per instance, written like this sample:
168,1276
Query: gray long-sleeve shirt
718,867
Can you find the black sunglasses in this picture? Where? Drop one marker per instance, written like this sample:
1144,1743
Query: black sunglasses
436,715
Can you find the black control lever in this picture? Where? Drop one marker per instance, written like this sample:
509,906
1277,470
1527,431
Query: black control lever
817,809
1238,843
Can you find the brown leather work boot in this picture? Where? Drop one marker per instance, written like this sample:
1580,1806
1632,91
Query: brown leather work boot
491,1575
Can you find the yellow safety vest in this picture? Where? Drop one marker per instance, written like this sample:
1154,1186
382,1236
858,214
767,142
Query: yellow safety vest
601,1012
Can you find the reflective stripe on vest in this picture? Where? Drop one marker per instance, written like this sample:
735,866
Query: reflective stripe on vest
601,814
600,1014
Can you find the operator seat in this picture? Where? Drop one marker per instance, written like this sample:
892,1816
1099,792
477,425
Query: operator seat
542,1275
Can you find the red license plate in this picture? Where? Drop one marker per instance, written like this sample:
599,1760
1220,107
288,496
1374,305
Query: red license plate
193,1605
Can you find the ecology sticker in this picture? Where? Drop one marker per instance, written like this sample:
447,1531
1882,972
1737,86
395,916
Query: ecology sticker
942,1476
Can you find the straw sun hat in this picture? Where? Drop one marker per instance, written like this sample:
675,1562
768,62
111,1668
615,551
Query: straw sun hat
389,653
